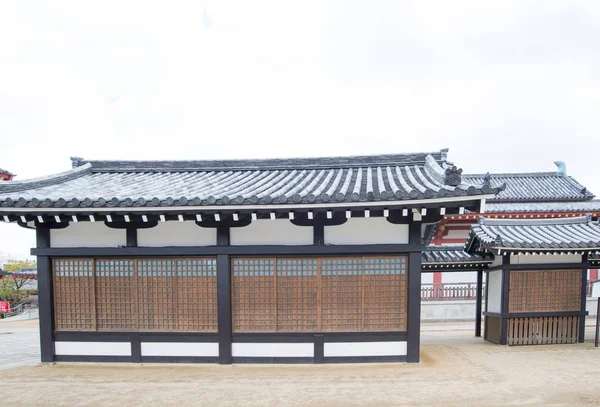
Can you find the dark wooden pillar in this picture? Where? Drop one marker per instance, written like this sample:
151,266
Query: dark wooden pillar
505,298
44,268
485,321
478,303
224,307
414,296
319,234
583,303
131,236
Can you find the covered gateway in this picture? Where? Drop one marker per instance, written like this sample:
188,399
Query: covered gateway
286,260
536,287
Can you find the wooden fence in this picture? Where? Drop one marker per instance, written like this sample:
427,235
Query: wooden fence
449,291
543,330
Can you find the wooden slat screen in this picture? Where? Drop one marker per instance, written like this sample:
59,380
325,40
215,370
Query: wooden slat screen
543,330
196,295
115,301
254,299
342,293
74,295
136,294
385,285
330,294
297,284
157,295
539,291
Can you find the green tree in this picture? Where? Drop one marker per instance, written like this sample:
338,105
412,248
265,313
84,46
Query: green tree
16,265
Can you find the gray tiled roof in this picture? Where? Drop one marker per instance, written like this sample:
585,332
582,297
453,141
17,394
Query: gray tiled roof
5,172
527,187
446,255
244,182
535,234
564,206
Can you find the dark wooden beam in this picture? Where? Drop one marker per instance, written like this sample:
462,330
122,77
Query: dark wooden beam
414,295
583,305
44,267
478,303
223,235
131,236
319,234
272,250
224,308
505,298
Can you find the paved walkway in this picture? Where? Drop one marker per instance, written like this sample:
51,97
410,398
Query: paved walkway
18,346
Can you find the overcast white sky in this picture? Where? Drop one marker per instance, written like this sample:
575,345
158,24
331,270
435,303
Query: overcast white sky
508,86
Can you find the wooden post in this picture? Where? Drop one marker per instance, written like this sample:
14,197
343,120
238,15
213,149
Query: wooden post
505,299
414,296
597,324
224,307
478,303
44,266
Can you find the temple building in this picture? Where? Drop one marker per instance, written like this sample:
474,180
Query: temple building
286,260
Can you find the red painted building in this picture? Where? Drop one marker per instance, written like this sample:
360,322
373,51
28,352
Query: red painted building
6,175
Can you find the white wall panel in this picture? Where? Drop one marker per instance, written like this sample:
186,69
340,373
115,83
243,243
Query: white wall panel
177,234
180,349
272,232
495,291
87,234
272,349
92,348
366,231
545,259
392,348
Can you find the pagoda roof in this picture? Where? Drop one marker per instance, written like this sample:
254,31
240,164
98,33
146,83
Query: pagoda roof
285,182
435,258
533,187
577,234
559,206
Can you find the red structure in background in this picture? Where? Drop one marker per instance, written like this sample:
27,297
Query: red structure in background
6,175
462,223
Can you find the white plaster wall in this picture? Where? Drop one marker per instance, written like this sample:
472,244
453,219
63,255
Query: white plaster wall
272,232
180,349
495,291
545,259
177,234
92,348
366,231
392,348
87,234
497,261
426,278
273,349
457,234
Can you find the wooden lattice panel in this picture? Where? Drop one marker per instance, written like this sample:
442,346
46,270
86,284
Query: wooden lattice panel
385,297
297,291
196,295
539,291
157,295
342,294
74,304
115,295
253,295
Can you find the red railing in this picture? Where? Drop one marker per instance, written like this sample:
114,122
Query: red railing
449,291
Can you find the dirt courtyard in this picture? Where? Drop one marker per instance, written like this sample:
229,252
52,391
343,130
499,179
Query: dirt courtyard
456,372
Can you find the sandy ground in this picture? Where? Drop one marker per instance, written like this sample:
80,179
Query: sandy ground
462,372
456,370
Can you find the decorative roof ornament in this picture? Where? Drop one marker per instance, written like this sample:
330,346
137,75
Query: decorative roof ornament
562,168
498,241
453,176
76,161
